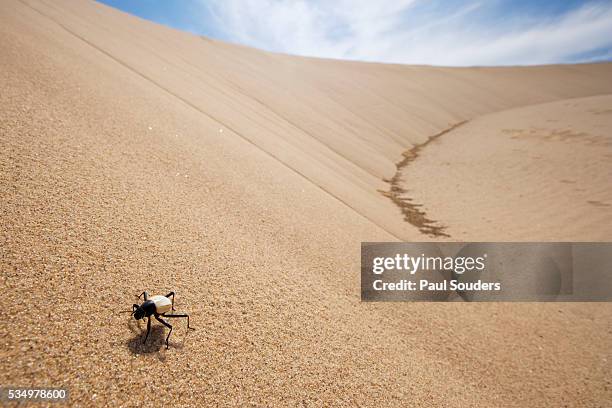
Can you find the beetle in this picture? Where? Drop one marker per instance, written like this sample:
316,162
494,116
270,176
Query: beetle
157,306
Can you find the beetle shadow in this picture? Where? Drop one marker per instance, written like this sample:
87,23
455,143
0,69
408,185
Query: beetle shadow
156,343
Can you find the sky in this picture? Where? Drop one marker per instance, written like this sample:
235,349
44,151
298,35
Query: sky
432,32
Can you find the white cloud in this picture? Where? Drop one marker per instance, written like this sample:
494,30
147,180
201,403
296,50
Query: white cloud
399,31
585,29
317,28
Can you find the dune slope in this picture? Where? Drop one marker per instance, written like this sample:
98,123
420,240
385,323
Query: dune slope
134,157
349,122
546,169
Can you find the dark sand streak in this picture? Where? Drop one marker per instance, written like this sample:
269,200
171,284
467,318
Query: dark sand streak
411,211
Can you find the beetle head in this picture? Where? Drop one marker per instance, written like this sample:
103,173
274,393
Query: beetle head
139,312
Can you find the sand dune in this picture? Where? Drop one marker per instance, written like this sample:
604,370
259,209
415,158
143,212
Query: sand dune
349,122
137,157
546,170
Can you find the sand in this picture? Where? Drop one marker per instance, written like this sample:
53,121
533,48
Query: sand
546,168
135,157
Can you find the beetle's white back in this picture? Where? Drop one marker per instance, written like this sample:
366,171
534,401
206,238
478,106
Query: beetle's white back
162,303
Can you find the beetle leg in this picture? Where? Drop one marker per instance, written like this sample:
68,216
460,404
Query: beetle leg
148,330
171,294
168,326
181,315
145,294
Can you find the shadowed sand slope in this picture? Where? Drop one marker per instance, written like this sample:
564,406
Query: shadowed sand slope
136,157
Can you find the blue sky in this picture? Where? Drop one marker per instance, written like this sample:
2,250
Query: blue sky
438,32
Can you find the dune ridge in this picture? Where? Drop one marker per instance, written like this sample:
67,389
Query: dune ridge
411,211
